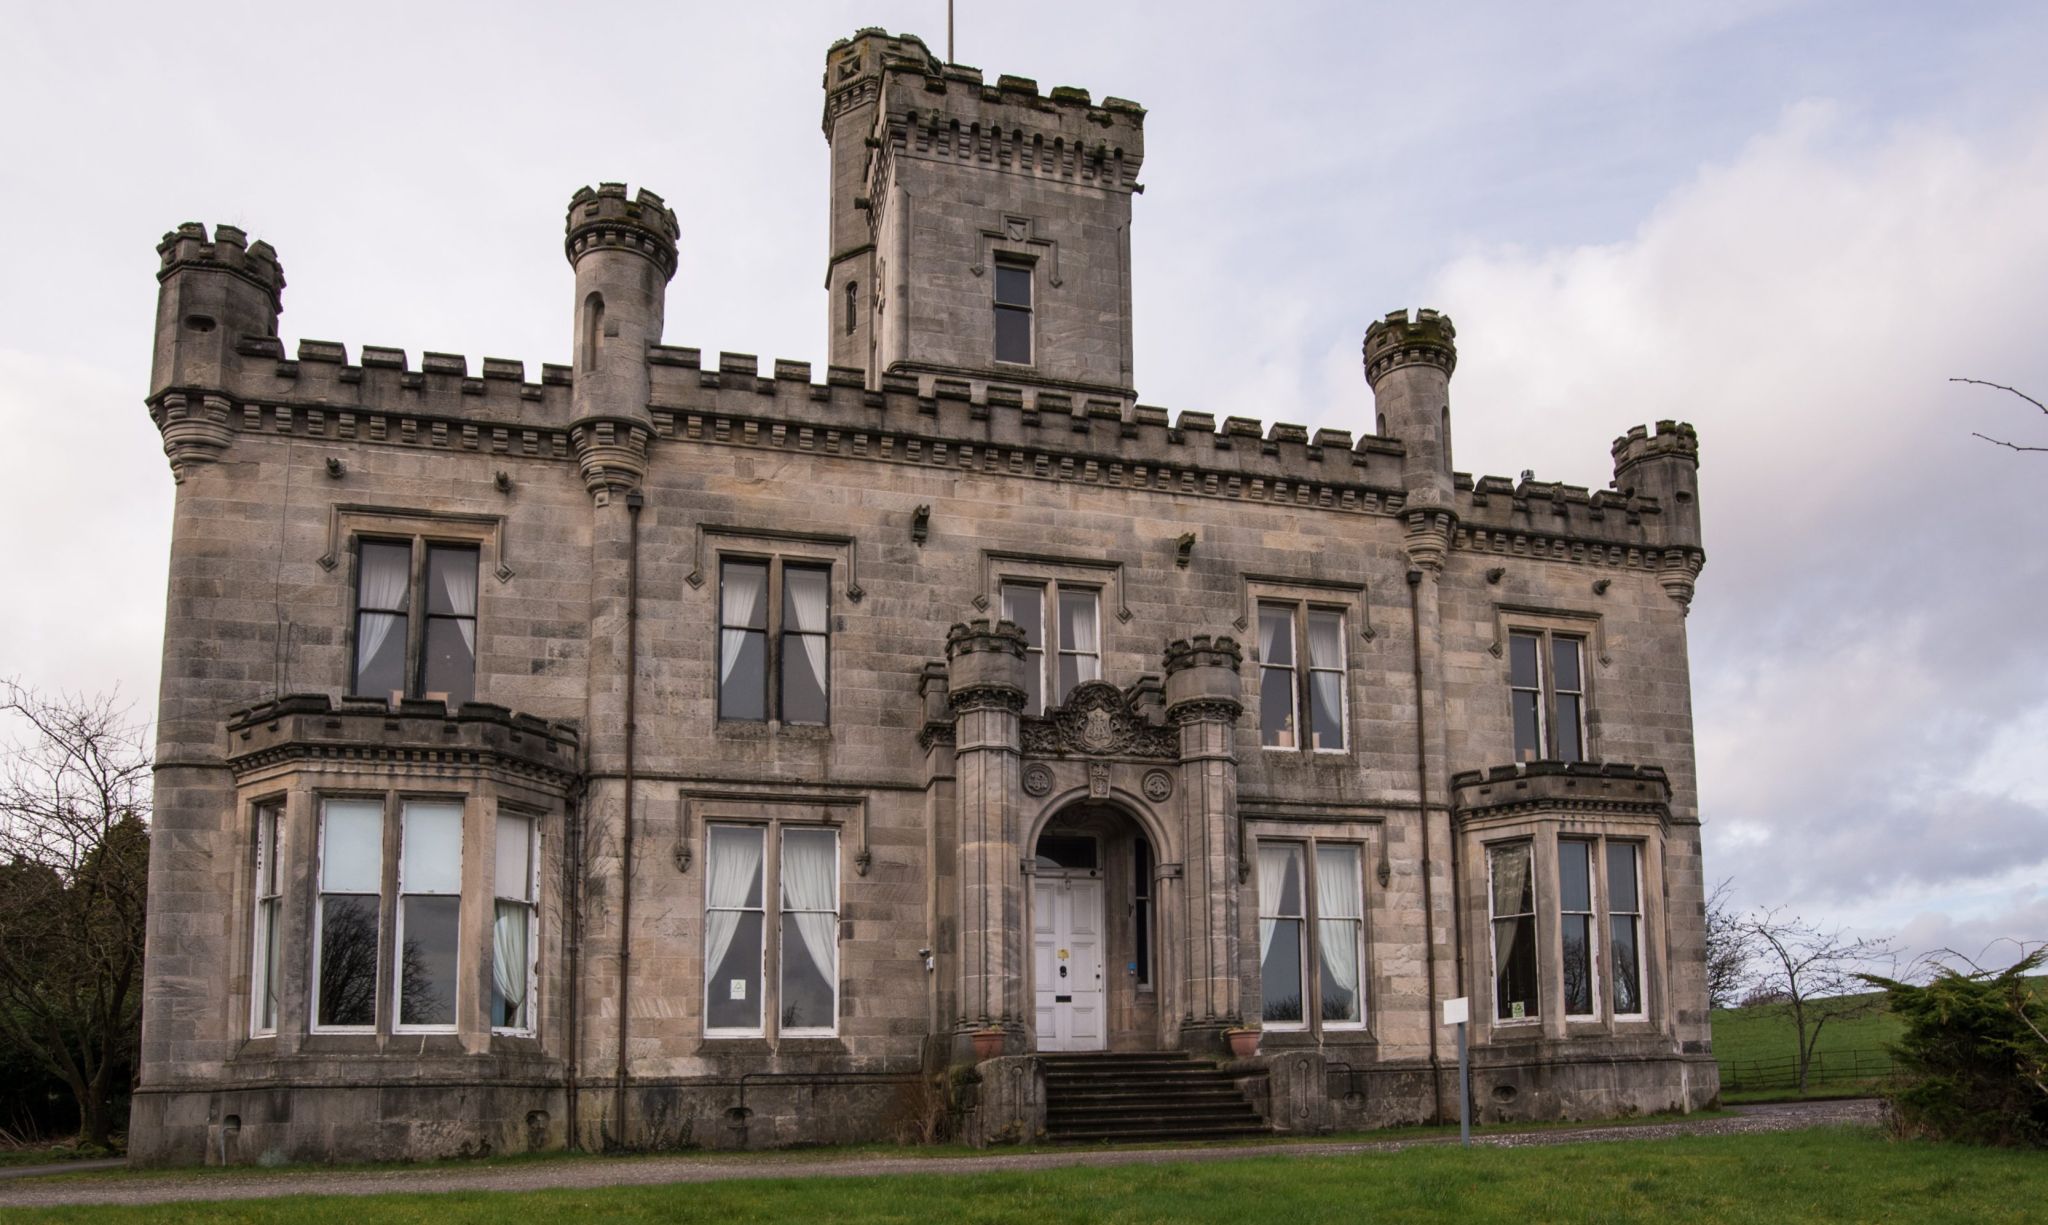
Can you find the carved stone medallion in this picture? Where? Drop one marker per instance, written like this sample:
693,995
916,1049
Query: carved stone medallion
1158,785
1037,780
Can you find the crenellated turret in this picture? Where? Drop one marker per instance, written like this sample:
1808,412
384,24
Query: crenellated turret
1408,364
624,253
1665,466
215,295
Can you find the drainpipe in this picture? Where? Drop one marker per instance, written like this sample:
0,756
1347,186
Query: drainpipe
634,501
1436,1067
572,895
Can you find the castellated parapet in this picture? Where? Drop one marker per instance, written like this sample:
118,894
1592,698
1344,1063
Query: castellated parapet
605,218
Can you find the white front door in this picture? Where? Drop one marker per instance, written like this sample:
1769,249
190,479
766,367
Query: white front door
1067,960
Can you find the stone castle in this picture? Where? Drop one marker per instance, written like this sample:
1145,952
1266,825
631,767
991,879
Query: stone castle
672,750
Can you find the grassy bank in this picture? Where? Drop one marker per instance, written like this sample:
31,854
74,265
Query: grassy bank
1823,1175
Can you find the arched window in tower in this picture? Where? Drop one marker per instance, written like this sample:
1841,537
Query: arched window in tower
593,329
852,306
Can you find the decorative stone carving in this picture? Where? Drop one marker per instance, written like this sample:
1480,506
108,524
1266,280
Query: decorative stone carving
1037,780
1158,785
1098,721
1098,780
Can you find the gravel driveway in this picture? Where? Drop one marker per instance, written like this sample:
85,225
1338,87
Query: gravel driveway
644,1171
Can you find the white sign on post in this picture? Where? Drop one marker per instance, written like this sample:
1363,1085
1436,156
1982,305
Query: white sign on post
1457,1011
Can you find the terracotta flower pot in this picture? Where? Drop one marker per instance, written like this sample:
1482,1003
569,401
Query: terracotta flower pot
1244,1043
988,1043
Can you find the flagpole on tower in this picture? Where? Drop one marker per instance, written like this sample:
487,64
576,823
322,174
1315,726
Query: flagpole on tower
949,31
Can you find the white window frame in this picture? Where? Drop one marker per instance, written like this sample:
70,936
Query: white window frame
400,893
1596,938
777,637
320,892
1534,914
1029,308
266,957
532,904
1311,944
773,929
1045,658
782,930
761,1010
1546,691
1302,672
1636,916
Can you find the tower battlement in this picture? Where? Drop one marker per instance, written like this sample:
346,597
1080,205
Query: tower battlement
606,217
1425,337
227,250
1673,439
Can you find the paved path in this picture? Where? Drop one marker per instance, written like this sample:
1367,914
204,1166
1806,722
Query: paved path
645,1171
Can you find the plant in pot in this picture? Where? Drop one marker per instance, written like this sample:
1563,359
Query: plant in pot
988,1042
1243,1039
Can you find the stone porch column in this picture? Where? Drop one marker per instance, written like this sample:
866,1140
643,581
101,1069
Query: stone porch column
1203,698
985,692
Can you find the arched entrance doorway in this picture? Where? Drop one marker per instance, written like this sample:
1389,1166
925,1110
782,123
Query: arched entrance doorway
1094,932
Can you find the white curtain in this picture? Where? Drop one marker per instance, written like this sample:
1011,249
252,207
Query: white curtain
735,866
1273,861
1276,626
1510,881
810,892
381,587
1339,906
1325,641
509,936
809,597
1086,639
744,589
458,580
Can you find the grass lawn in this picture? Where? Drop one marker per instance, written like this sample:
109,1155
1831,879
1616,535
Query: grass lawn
1822,1175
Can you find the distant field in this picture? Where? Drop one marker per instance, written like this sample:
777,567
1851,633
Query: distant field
1759,1046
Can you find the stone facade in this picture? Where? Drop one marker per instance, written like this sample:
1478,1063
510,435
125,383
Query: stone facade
1153,719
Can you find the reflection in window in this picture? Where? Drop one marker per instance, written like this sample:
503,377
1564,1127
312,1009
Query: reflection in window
351,880
1514,932
429,913
1281,901
1013,313
515,910
1276,676
1625,924
1575,921
1024,604
269,908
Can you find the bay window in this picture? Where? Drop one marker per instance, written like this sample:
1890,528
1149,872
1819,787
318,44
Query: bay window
1598,945
1512,894
514,923
263,979
346,922
429,913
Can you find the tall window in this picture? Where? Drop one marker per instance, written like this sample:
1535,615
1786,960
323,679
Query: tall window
1547,688
346,922
737,921
1625,927
1141,910
1301,671
1311,915
774,640
269,904
852,306
391,659
429,913
1575,923
1075,653
1513,897
1013,312
514,923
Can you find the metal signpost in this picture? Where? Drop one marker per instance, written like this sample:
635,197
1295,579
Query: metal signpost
1457,1012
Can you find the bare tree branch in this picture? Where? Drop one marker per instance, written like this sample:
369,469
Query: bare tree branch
2016,391
1805,964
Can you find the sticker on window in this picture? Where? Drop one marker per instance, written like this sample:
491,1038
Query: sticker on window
739,989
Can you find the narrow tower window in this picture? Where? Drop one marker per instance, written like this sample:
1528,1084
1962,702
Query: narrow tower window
1013,313
852,306
593,329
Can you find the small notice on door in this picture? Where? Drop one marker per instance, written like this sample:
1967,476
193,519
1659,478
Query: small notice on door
1063,954
739,988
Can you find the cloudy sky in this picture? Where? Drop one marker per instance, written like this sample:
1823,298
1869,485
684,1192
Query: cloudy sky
1789,223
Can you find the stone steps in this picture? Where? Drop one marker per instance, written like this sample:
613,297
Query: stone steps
1143,1095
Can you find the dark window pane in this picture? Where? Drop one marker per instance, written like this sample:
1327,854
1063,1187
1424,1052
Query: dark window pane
1013,285
806,599
1523,669
348,959
450,659
1326,689
451,581
743,675
806,993
1337,949
1070,674
1026,606
1013,335
385,579
1141,892
1276,707
426,971
1034,684
1514,955
1513,891
1575,875
1066,851
1276,637
1578,964
1628,981
744,595
734,984
1621,876
803,678
1528,725
1569,747
1280,969
1564,654
380,654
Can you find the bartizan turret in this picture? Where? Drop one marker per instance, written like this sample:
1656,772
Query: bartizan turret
218,299
1665,465
624,254
1408,364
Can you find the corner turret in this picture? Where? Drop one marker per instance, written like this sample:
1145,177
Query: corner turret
1665,466
218,299
624,254
1408,364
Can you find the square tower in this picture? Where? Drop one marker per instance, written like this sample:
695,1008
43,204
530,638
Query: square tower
979,231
